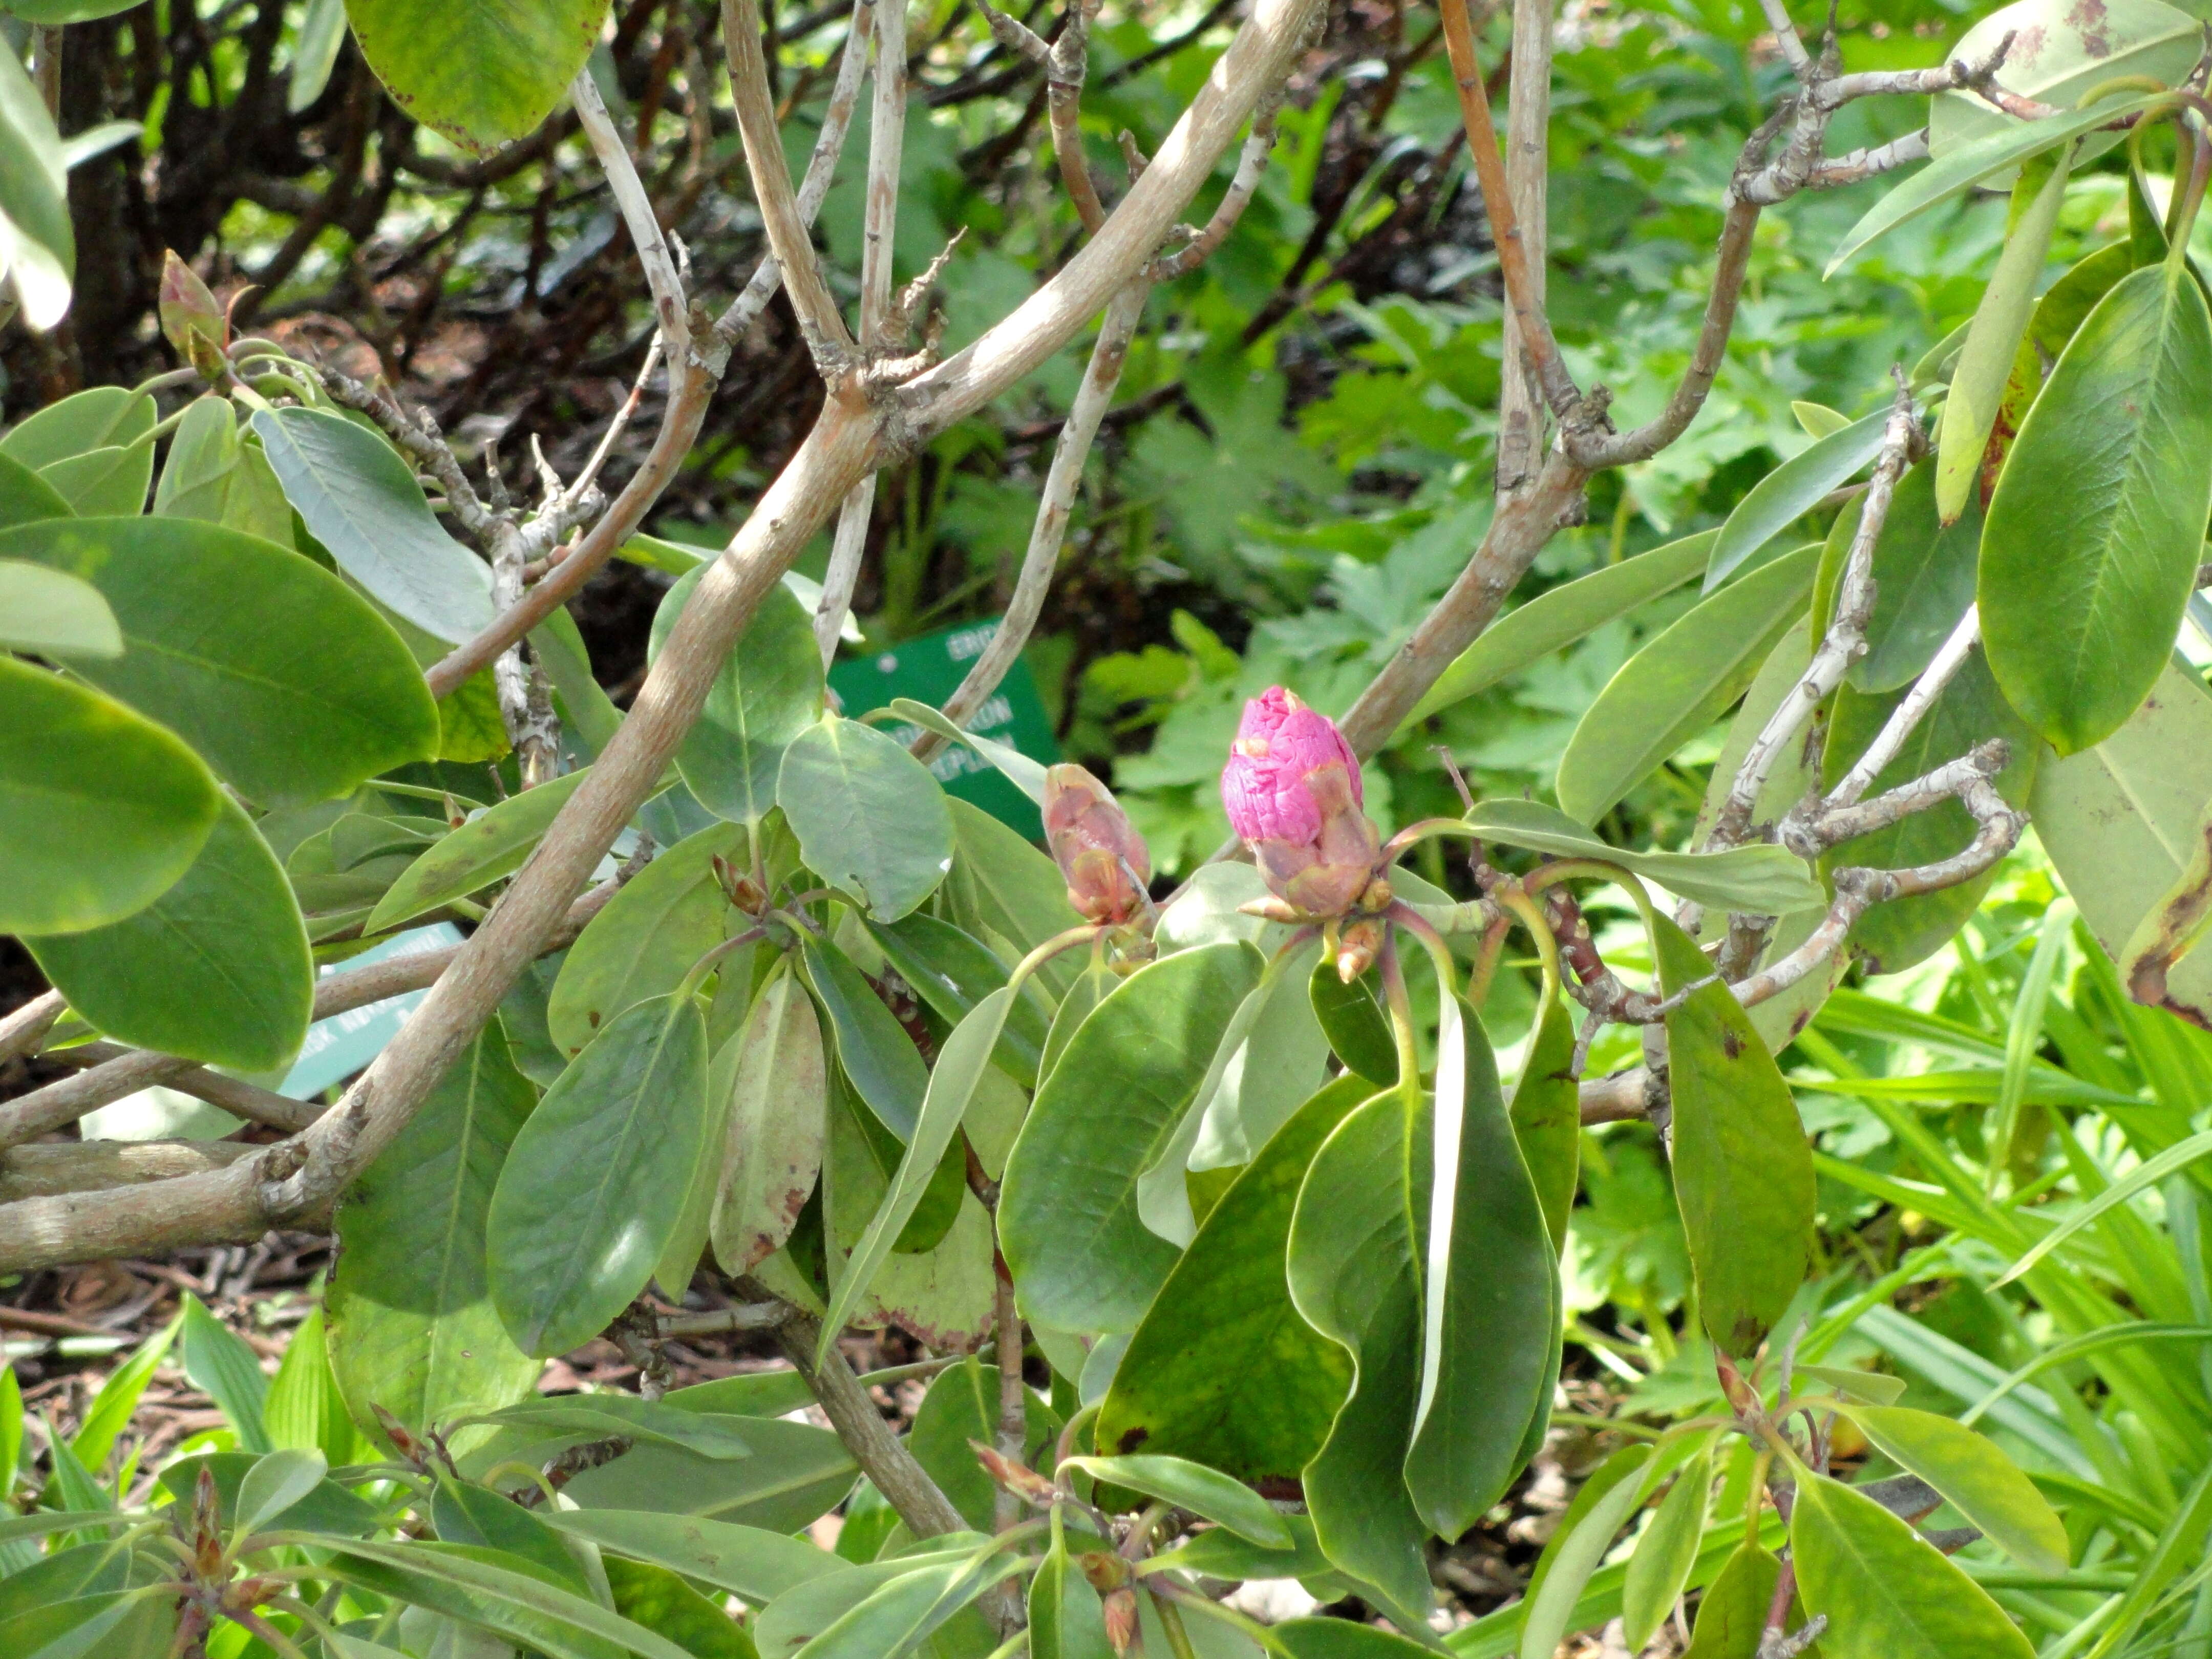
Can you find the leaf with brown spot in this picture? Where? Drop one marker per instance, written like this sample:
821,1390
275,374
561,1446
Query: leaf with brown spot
772,1150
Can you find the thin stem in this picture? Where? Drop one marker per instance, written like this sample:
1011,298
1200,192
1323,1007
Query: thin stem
847,548
1947,660
670,307
1522,396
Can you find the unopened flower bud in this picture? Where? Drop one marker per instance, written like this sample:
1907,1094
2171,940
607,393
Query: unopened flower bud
1358,946
1017,1478
1293,791
1119,1609
1103,859
191,319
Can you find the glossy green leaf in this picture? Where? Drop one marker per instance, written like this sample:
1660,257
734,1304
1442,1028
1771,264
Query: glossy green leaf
1003,889
873,1049
412,1327
960,1065
223,1368
746,1561
796,1473
662,1602
596,1177
316,696
110,482
1353,1022
216,968
322,31
100,811
2094,536
952,972
276,1483
1066,1619
1978,159
1024,773
1980,1481
1547,1114
2118,822
1763,878
1924,573
24,497
491,846
2067,303
961,1408
1790,492
1282,1060
35,232
767,690
1067,1215
105,416
1585,1531
772,1155
1223,1370
1993,342
708,1434
211,475
1732,1612
75,1626
466,1513
1561,616
1666,1553
666,917
1680,683
1887,1594
1894,935
1743,1172
870,819
358,497
431,59
1195,1488
53,613
1354,1268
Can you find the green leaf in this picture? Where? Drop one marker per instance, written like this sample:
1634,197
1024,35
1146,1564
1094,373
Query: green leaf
1547,1114
2090,551
104,483
767,690
796,1473
1600,1510
491,846
2179,1548
2148,1173
223,1368
1980,158
1195,1488
216,968
595,1180
2119,823
1980,1481
303,1409
316,695
1993,342
961,1408
1886,1592
748,1562
895,1617
1763,878
1899,932
1680,683
873,1049
1743,1172
709,1434
412,1325
76,1627
358,497
275,1484
2067,303
953,972
1340,1638
1066,1619
54,613
1790,492
1353,1021
111,1410
870,819
1221,1370
777,1124
24,497
1068,1214
1561,616
960,1066
466,1514
1354,1268
314,53
664,1603
1666,1553
1924,573
666,917
105,416
35,233
100,811
1024,773
434,59
1001,888
2061,55
1732,1612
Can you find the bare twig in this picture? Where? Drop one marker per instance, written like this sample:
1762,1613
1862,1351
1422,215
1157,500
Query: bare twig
1908,715
256,1105
83,1166
25,1027
670,309
1251,164
847,548
1522,393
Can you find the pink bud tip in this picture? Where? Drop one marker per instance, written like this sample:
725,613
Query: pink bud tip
1279,743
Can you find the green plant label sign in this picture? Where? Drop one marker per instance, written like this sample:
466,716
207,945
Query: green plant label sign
340,1046
929,669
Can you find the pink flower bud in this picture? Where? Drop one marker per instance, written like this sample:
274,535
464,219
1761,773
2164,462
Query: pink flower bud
1292,789
1100,853
193,322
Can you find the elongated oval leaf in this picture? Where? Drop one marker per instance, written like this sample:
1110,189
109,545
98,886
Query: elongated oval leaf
216,968
870,819
1616,1492
2059,54
24,497
874,1050
100,417
1983,1483
1924,573
767,690
358,497
2094,536
291,685
54,613
1887,1594
1353,1022
1562,616
1195,1488
1732,1612
104,483
488,847
433,59
1680,683
100,811
953,972
1743,1172
1068,1214
1790,492
596,1178
34,214
1547,1114
772,1156
1665,1554
1763,878
746,1561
